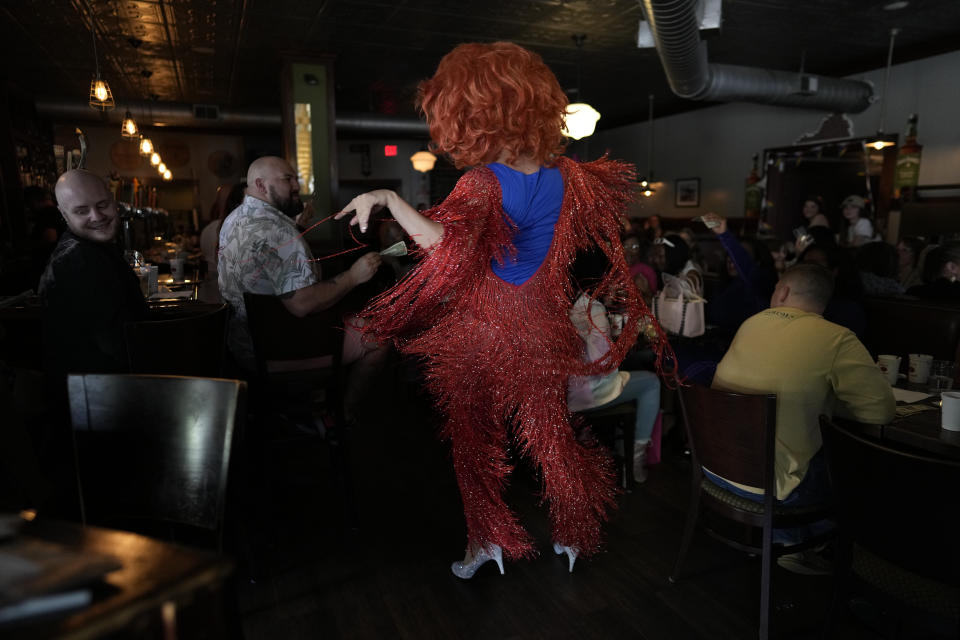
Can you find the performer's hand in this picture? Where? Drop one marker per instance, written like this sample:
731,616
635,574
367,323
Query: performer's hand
365,266
364,205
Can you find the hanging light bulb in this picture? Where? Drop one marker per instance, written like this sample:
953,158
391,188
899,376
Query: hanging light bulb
146,146
880,141
162,168
101,97
155,158
423,161
646,188
167,175
129,128
580,120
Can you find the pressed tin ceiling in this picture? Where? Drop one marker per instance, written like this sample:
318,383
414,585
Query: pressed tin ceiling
228,52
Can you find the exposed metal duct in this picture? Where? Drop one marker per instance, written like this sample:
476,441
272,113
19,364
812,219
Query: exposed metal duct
174,114
674,27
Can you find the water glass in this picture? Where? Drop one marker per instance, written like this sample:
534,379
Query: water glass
941,376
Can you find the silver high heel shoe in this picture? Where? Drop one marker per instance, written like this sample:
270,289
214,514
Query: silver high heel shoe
571,552
465,570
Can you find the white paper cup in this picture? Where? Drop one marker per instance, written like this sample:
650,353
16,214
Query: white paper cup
890,366
919,369
950,410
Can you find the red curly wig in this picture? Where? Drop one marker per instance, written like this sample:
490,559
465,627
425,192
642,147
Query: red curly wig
486,99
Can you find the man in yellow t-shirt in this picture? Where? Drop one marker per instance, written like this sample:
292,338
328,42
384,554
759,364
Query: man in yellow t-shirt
814,366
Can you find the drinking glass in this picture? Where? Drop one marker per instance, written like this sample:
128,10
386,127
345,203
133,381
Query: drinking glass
941,376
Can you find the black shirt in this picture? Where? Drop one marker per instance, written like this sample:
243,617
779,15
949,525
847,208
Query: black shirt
89,293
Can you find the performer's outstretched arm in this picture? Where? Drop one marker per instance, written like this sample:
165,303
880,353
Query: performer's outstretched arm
425,231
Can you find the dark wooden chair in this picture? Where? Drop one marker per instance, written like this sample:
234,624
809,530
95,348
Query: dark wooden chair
733,435
298,371
152,450
190,345
608,425
301,355
899,529
908,325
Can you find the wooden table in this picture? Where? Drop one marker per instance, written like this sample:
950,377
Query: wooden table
921,431
154,573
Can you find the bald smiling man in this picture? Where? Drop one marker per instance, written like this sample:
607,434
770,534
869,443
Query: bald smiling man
88,289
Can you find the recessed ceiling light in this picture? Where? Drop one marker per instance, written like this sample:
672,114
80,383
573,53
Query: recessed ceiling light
895,6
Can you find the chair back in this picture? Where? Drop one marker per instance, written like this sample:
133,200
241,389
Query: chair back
192,345
935,327
732,434
283,342
154,448
897,505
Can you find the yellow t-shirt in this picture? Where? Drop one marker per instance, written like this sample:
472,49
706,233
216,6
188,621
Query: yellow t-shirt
815,367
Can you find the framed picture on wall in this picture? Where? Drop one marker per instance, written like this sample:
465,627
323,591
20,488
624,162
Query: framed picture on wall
686,192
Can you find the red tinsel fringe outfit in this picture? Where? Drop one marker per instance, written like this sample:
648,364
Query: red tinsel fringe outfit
498,355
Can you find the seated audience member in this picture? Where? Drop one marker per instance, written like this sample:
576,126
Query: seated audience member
909,251
878,262
859,227
813,213
262,251
677,260
814,367
941,270
749,279
228,199
845,307
88,289
636,250
584,393
652,226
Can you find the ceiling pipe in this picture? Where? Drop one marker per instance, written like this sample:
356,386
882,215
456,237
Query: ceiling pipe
175,114
675,29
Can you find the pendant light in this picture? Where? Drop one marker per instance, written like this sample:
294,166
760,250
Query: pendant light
423,161
580,119
146,146
101,97
881,140
646,184
129,127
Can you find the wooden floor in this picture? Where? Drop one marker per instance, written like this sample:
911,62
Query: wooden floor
310,575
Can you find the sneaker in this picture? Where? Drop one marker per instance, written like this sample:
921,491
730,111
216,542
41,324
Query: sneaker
807,562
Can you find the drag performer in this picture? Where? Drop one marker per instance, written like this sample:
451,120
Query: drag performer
487,308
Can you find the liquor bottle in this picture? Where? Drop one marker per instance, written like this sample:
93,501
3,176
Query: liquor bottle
753,194
907,173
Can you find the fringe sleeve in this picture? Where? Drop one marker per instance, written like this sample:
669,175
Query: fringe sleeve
475,231
600,192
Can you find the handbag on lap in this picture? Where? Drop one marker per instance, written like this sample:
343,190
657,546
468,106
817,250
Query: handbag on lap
678,308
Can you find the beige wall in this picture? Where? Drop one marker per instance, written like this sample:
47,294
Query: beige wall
716,144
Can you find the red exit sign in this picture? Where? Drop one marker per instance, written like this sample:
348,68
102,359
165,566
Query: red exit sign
389,150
